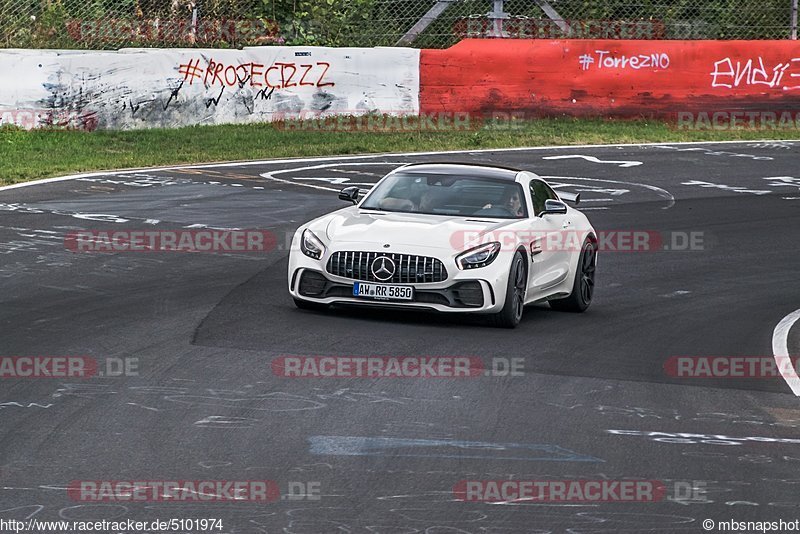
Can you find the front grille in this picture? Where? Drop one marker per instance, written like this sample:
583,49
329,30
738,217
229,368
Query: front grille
409,269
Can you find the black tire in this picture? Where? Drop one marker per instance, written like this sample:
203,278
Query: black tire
306,305
583,286
514,305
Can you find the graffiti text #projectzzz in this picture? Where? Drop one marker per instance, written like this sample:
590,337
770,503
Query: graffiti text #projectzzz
279,75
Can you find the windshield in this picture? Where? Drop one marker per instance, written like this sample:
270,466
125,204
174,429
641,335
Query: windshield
445,194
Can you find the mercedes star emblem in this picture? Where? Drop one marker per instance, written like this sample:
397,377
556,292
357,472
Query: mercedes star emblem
383,268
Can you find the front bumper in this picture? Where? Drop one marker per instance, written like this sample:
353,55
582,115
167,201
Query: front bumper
480,290
473,295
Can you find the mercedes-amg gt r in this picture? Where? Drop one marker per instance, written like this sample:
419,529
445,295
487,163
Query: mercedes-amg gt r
453,238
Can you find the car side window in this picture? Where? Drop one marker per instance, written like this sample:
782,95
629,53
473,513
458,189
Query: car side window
539,194
552,195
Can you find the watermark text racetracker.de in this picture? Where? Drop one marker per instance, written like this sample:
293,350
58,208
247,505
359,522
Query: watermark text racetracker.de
163,31
580,491
259,491
397,121
204,240
395,367
51,119
572,241
731,367
66,367
724,120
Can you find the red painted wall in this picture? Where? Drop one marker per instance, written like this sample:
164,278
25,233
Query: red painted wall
610,77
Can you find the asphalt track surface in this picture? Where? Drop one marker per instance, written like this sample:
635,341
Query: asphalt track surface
387,453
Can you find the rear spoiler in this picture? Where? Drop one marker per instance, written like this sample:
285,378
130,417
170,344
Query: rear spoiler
575,198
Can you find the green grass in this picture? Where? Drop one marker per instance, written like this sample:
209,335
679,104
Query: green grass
28,155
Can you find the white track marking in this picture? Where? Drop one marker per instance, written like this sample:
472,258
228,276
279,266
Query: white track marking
365,156
592,159
268,176
336,164
332,181
780,350
271,174
661,192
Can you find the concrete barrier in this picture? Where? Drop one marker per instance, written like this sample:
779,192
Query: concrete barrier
610,77
145,88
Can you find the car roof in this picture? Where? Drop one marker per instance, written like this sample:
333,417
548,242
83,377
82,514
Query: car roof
463,169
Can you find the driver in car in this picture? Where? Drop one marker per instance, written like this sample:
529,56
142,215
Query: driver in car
510,201
428,201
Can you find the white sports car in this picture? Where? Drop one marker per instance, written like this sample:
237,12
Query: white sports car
453,238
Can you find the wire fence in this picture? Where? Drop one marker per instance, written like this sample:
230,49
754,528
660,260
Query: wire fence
110,24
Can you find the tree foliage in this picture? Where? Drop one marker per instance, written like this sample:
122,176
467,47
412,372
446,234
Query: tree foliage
44,23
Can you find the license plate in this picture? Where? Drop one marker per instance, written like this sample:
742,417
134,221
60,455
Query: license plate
383,291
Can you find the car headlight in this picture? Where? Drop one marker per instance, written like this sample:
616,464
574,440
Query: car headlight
311,245
479,256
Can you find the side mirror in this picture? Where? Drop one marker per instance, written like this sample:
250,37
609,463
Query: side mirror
554,207
575,198
350,194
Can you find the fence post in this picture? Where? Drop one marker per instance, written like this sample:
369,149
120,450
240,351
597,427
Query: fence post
498,15
553,15
433,13
794,20
194,23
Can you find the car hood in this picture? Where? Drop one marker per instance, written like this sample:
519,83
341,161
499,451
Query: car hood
353,225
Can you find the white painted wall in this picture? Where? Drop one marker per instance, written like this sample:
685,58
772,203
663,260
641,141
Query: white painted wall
146,88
